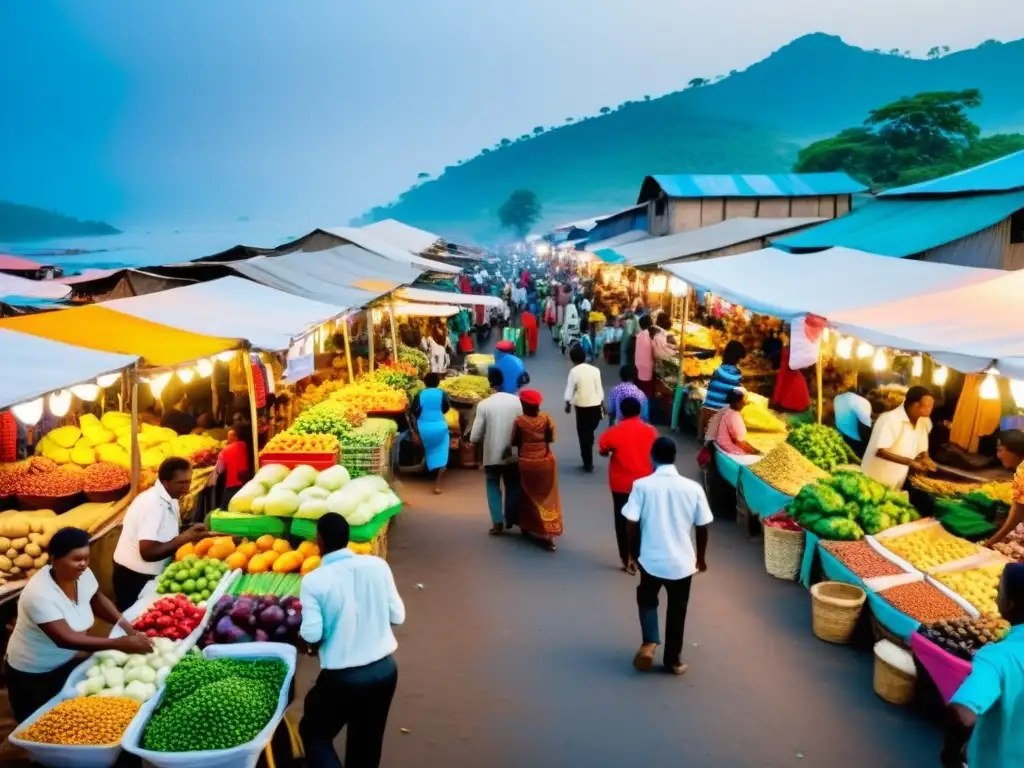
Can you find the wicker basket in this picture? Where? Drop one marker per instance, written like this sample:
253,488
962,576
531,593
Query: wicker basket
835,609
881,633
783,551
893,685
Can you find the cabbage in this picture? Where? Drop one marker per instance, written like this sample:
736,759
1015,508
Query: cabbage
280,490
272,474
242,501
301,477
281,504
312,509
392,497
334,478
378,502
362,514
364,487
342,502
314,492
258,505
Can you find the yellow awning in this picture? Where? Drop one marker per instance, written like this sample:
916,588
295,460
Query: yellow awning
106,330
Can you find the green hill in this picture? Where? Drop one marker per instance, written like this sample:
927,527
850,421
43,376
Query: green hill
752,121
25,222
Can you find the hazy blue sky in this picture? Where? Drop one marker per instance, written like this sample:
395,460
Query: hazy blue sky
187,112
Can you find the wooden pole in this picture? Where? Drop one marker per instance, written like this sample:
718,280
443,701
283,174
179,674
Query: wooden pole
821,395
253,414
394,333
681,379
348,349
369,335
136,454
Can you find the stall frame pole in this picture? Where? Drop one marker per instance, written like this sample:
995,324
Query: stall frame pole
821,395
132,382
348,349
394,333
681,378
253,415
369,335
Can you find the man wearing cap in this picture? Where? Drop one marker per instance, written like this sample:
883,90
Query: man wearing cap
513,372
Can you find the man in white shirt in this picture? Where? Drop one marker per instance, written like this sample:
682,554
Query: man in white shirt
899,441
492,426
668,509
853,419
349,604
150,532
584,391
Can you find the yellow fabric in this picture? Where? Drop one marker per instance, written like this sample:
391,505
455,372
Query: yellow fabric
974,417
106,330
376,286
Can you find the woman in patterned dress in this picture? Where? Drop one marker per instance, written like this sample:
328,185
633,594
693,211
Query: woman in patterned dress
540,507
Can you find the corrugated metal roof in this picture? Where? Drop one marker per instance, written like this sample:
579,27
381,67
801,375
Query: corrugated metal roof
901,227
751,185
632,236
693,242
1001,175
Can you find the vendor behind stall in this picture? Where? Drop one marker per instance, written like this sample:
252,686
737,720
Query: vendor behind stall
899,440
1010,452
853,419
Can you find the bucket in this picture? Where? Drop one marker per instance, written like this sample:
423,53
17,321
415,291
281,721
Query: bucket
891,683
835,609
783,552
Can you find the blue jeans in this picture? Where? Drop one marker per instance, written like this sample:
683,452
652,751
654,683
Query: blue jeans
509,474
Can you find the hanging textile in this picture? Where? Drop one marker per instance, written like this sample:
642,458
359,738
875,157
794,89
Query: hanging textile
974,417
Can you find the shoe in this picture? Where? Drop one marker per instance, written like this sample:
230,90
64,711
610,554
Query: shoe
644,659
677,669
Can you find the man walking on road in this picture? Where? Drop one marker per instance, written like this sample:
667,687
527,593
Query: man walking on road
667,508
629,444
492,426
583,390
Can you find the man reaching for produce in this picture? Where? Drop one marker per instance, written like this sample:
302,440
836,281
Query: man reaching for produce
899,441
1010,452
349,604
149,533
987,712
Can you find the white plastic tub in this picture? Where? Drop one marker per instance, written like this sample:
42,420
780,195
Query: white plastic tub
237,757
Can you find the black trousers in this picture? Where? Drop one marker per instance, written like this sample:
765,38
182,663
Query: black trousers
678,591
28,691
587,422
357,698
128,585
621,529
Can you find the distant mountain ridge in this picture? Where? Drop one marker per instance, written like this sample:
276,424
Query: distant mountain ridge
26,222
752,121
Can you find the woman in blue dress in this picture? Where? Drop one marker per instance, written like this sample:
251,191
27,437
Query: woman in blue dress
429,407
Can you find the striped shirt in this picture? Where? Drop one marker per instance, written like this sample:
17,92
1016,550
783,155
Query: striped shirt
723,381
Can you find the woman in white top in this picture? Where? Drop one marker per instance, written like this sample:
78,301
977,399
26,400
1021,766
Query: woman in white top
56,610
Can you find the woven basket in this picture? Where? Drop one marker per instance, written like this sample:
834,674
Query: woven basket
893,685
881,633
783,552
835,609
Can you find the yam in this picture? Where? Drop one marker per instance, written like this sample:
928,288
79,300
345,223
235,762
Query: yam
23,561
5,563
5,543
41,561
33,550
19,544
11,553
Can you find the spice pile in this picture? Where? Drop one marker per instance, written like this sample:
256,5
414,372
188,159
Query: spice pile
785,470
921,601
965,636
860,558
89,721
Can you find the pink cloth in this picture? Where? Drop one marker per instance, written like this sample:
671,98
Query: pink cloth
644,356
945,669
661,348
731,430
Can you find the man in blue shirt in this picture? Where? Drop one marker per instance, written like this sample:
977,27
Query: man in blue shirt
514,375
348,606
987,712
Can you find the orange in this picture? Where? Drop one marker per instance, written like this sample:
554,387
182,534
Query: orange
281,546
259,564
309,564
183,551
202,547
270,555
307,549
265,542
248,549
237,560
221,550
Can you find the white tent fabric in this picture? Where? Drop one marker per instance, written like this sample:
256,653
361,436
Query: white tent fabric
36,366
12,285
416,309
414,240
376,244
443,297
233,307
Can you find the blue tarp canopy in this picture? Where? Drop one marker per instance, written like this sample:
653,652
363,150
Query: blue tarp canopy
1001,175
749,185
904,227
609,256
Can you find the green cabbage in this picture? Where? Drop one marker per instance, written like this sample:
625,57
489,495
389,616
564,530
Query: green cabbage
313,492
242,501
333,479
364,513
343,502
281,503
299,478
312,509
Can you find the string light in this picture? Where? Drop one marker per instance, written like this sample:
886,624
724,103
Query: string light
844,348
108,380
990,386
186,374
677,287
864,350
157,384
657,284
939,376
59,403
87,392
1017,390
880,362
227,357
917,367
204,368
29,413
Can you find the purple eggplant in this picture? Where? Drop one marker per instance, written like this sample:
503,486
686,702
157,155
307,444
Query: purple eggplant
260,636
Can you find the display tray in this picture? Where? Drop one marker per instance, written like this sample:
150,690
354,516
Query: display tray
317,460
58,504
107,497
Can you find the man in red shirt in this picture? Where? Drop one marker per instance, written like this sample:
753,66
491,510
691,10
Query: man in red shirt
629,444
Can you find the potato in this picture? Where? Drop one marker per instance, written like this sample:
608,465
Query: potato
19,544
33,550
11,553
5,543
23,561
35,526
42,560
35,538
15,571
5,563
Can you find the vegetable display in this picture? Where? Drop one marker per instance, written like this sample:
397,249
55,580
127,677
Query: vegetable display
415,358
193,577
848,505
84,721
470,388
862,559
104,476
965,636
59,482
173,617
968,517
369,396
786,470
921,601
213,704
291,442
249,618
759,417
135,675
824,446
978,586
270,583
928,547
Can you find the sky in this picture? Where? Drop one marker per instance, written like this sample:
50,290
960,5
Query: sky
191,113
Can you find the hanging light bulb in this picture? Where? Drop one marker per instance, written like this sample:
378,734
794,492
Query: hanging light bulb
917,367
157,384
108,380
1017,390
59,403
87,392
186,374
864,350
204,368
880,361
29,413
990,386
844,347
227,357
826,334
939,376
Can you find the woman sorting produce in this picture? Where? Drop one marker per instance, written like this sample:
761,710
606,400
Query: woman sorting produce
1010,452
429,407
728,431
56,610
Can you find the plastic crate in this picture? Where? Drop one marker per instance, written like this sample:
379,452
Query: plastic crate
361,461
291,460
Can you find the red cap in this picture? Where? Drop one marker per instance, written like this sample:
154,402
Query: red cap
531,397
505,346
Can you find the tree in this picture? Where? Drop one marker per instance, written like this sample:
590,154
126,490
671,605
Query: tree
569,119
520,212
945,49
422,175
719,77
698,82
605,110
647,97
935,52
505,142
538,130
894,51
733,72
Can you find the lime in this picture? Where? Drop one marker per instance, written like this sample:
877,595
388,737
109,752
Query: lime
195,573
189,586
175,588
201,584
205,594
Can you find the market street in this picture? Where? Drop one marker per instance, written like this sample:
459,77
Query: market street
513,656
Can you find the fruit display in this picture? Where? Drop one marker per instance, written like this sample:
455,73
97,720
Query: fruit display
697,368
135,675
850,504
978,586
701,336
928,547
327,418
1013,545
469,388
24,537
415,358
314,394
782,521
479,363
61,482
84,721
214,704
758,417
272,584
193,577
922,601
942,488
370,397
293,442
862,559
396,376
785,470
174,617
249,618
965,636
824,446
104,477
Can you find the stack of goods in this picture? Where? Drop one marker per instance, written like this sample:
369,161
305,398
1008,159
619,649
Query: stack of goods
92,721
1013,545
414,358
249,618
399,376
264,555
470,389
371,397
860,558
294,442
978,586
701,337
214,704
928,546
965,636
194,577
24,537
922,602
785,470
173,618
824,446
965,509
261,579
758,417
135,675
696,368
850,504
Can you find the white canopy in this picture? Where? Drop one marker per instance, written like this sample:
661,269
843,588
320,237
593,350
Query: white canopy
414,240
11,285
425,310
376,244
444,297
35,366
232,307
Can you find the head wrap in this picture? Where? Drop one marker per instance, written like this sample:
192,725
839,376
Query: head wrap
531,397
505,346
